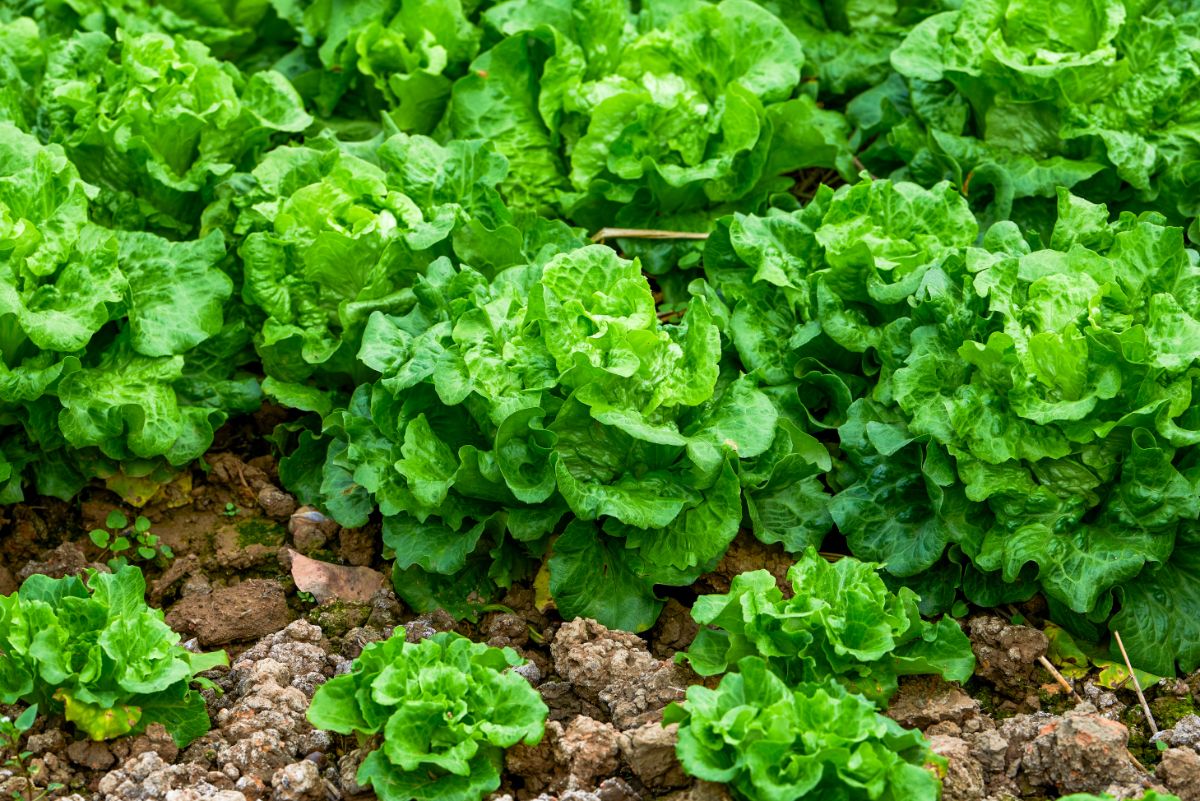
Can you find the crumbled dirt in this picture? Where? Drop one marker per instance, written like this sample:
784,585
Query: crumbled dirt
924,701
67,559
245,611
1006,656
649,751
674,630
747,553
615,671
1179,771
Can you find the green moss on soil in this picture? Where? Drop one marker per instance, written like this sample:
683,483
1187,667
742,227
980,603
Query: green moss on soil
337,618
1169,709
260,531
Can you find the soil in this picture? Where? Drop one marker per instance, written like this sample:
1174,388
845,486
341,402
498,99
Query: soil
1009,733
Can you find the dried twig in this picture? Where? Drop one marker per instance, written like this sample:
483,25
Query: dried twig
1058,677
862,167
644,233
1137,685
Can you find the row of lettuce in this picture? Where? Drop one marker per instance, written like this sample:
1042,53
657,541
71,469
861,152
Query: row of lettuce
796,712
611,116
985,384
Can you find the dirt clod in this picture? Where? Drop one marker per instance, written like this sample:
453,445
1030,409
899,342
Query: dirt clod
276,503
245,611
924,701
67,559
1179,771
91,755
505,630
649,751
1184,734
964,779
299,781
1080,753
1006,655
615,671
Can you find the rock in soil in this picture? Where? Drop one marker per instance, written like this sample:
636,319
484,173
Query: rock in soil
924,701
615,671
67,559
310,529
1179,771
964,779
91,755
649,751
245,611
573,757
1006,655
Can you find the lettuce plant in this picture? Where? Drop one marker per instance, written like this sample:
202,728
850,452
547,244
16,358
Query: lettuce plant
397,58
842,622
1012,411
153,121
230,28
446,708
850,44
115,354
1027,97
646,124
99,655
774,741
548,408
332,232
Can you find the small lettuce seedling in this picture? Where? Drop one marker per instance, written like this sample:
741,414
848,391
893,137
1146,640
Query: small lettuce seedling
98,654
446,708
769,742
842,622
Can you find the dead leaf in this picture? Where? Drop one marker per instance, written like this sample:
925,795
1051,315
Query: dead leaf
328,582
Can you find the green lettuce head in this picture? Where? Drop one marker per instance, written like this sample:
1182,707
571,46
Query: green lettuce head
446,709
